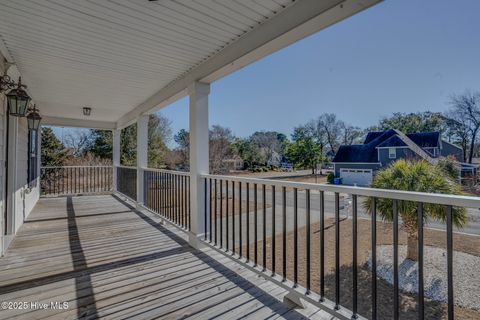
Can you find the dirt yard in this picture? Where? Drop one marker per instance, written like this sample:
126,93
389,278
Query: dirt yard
433,309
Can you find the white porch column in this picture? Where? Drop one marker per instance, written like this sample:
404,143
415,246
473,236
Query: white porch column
199,157
142,154
115,155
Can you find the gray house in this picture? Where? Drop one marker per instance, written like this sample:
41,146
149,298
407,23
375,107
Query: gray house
356,164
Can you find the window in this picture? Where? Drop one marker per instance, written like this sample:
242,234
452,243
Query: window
32,155
392,153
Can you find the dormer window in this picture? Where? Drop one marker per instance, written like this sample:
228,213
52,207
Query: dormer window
392,153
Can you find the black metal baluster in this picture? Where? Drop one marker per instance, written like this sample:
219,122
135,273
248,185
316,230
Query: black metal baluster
221,213
233,217
226,216
322,245
248,222
189,207
284,233
374,258
295,237
205,194
240,218
421,298
264,222
255,224
158,191
171,201
175,199
450,300
211,211
215,212
162,194
337,251
354,257
180,199
273,230
396,302
307,239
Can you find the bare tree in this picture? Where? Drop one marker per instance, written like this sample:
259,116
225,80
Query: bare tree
465,115
351,135
269,143
77,140
221,140
332,128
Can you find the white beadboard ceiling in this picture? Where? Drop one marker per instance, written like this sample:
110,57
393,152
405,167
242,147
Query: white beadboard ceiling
112,55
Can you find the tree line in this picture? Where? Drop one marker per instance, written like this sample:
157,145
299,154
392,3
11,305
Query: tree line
310,145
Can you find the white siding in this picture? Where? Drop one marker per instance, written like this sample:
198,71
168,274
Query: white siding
2,161
24,198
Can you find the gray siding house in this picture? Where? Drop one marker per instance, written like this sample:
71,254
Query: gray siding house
356,164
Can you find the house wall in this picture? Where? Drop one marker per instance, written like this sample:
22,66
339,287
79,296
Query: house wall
22,198
451,149
2,160
345,165
402,153
25,196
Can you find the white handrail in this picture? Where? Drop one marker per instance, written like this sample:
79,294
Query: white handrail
180,173
436,198
57,167
126,167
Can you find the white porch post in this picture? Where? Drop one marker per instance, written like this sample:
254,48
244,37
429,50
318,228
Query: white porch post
115,155
142,154
199,157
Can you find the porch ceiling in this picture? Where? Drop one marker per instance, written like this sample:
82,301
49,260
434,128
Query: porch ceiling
113,55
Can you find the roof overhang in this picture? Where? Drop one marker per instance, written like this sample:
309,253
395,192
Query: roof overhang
127,58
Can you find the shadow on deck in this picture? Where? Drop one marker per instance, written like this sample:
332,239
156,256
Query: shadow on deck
106,259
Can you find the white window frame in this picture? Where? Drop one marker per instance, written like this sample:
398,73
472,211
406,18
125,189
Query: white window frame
392,153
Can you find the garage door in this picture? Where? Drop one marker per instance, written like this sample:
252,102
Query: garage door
359,177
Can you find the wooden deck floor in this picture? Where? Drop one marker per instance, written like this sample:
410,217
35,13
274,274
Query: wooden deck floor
108,260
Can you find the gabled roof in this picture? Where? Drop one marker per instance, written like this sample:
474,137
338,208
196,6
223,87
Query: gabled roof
367,152
393,141
425,139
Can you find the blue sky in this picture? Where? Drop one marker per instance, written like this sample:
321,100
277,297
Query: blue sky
403,56
406,56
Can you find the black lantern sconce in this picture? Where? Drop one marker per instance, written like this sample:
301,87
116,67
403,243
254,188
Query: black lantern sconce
17,98
33,119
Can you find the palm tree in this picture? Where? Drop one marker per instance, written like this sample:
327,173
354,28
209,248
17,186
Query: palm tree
417,176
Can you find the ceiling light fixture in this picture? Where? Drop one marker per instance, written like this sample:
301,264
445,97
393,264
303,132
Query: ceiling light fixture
87,111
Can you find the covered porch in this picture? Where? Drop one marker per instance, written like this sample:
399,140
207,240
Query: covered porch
104,258
150,243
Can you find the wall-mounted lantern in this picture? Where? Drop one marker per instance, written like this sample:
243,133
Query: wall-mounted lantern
33,119
18,100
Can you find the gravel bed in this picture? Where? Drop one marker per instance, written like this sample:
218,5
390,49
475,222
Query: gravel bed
466,274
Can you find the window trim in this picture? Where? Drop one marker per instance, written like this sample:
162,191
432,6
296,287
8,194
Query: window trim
392,155
32,157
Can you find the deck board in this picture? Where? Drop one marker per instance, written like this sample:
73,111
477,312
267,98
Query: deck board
108,260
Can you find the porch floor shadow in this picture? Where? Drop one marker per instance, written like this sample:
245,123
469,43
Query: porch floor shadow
96,257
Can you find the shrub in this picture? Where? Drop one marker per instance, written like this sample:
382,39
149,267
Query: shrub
330,177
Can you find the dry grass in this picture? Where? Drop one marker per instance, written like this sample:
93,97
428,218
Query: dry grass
433,309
